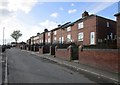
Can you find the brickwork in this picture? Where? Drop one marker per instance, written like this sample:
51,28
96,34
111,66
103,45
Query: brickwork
101,59
63,53
41,50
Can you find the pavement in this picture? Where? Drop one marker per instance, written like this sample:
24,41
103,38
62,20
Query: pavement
75,65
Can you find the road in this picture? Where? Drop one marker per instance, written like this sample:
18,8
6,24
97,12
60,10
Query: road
24,67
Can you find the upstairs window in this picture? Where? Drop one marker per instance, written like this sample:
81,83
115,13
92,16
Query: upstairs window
80,25
48,40
55,39
68,28
69,38
59,39
108,24
48,33
80,36
55,32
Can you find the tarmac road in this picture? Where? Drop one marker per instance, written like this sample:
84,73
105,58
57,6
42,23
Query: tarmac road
24,67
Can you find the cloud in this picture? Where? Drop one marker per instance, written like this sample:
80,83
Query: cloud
54,15
61,9
11,6
72,4
48,24
72,11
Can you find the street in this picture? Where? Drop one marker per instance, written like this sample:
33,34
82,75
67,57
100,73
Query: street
24,67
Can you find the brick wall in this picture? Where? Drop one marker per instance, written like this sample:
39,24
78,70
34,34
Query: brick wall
44,49
102,59
63,53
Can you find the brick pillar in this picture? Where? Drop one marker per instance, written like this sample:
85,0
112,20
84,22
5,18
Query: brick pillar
81,48
52,50
56,47
69,49
34,48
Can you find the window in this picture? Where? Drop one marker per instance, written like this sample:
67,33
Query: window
48,33
48,40
80,25
69,38
55,32
54,39
68,28
80,36
62,39
59,39
40,41
108,24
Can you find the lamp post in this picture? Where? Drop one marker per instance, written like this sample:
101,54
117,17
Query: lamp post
3,34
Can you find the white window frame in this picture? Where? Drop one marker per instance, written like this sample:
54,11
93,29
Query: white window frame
62,40
108,24
55,39
59,39
80,25
40,41
48,40
68,37
55,32
92,38
69,28
48,33
80,36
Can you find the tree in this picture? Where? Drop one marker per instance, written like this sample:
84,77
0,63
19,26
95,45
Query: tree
16,35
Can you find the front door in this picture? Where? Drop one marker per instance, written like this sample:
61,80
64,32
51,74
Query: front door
92,38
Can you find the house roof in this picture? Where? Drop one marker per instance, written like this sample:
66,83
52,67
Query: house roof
117,14
62,26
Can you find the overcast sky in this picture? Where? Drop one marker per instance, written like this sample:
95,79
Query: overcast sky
32,16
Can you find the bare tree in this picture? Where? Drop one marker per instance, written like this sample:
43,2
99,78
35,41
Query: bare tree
16,35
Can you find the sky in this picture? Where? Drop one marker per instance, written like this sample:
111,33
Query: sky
33,16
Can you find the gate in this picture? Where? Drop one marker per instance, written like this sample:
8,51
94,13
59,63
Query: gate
74,52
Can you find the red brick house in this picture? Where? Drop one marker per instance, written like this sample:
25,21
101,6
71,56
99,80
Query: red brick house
118,29
48,37
88,30
58,35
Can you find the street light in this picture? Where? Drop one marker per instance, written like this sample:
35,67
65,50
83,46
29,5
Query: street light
3,34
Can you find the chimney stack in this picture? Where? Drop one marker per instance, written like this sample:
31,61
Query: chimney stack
85,14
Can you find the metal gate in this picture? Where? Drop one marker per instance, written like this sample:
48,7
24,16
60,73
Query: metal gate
74,53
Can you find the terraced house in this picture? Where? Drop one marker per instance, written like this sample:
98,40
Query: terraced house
88,30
